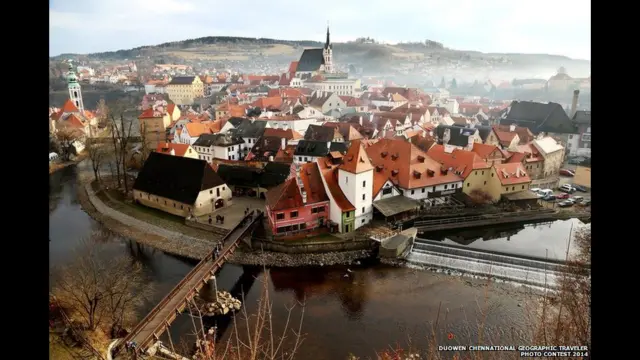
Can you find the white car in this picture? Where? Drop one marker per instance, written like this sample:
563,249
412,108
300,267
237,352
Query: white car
535,190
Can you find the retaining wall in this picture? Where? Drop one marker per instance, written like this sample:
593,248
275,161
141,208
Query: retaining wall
309,248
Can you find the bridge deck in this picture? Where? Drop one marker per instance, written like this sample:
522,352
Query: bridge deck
165,312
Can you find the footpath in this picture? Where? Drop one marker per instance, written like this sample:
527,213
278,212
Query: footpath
166,240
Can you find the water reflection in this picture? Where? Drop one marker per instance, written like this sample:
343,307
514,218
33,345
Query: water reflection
538,239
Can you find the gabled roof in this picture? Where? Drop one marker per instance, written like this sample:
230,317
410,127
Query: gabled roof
504,137
356,159
271,175
547,145
582,117
207,140
458,136
246,128
178,149
539,117
461,161
318,148
525,135
312,183
265,147
69,107
329,172
288,134
284,196
406,165
511,173
175,177
424,143
182,80
347,131
310,60
322,133
485,150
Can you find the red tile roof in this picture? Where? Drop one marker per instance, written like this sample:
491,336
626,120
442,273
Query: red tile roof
356,159
406,165
511,173
288,134
284,196
293,66
268,102
179,149
312,183
462,161
69,107
485,151
329,172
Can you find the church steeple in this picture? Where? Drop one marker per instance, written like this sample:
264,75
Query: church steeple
75,92
328,43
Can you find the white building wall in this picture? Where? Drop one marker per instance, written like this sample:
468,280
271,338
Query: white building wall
300,126
380,195
205,153
354,187
335,213
422,193
300,159
205,202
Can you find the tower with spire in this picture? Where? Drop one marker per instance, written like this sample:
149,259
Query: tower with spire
75,92
327,53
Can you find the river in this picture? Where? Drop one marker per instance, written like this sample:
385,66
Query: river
375,307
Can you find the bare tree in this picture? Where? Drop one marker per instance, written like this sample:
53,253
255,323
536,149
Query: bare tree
65,137
98,154
102,113
121,127
100,290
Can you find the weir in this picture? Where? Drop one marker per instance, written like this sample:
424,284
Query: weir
521,269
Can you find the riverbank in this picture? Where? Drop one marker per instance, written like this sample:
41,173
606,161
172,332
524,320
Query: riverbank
53,167
192,248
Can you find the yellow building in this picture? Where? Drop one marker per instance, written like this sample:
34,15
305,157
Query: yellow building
467,164
183,90
153,127
507,179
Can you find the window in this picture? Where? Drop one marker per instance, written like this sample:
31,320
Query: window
485,183
513,188
412,192
388,190
280,216
293,214
491,174
346,179
363,196
445,186
363,210
174,204
423,190
314,210
482,172
476,173
210,191
522,187
364,183
468,184
362,221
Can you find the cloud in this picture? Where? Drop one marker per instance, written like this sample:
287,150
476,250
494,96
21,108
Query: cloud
534,26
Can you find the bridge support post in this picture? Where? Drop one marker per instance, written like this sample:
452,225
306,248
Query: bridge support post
213,282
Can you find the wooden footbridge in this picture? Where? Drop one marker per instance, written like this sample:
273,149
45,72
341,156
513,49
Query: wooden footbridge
487,219
149,330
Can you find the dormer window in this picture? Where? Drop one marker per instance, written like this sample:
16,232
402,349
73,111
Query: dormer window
394,172
416,174
421,158
384,154
379,168
394,156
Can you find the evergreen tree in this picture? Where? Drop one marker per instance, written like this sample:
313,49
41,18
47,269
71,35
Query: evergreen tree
454,84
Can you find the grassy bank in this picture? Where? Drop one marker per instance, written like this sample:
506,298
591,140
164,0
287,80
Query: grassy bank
53,167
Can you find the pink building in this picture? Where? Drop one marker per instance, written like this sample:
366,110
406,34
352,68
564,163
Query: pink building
299,204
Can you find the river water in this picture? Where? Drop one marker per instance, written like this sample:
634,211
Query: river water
373,308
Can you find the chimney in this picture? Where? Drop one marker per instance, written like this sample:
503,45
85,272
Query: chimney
360,120
172,152
283,143
329,145
574,103
512,128
271,158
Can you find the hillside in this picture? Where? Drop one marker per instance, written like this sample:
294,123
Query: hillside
373,57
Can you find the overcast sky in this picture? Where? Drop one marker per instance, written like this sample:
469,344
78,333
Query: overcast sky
561,27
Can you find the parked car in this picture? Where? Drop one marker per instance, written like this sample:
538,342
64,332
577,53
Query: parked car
562,196
549,198
579,160
580,188
565,203
535,190
567,172
567,188
585,202
545,192
576,199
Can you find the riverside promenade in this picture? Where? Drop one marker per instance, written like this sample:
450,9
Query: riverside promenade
166,240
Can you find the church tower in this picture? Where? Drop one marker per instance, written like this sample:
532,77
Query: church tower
75,93
327,53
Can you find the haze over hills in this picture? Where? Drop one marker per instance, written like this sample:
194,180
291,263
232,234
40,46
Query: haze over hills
373,58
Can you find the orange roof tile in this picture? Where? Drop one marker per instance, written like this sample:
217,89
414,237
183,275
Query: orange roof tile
268,102
504,137
197,129
284,196
150,114
485,151
379,179
511,173
74,121
293,66
312,183
462,161
406,165
285,155
288,134
356,159
179,149
330,174
69,107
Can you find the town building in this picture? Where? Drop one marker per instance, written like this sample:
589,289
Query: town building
348,87
309,150
355,178
410,169
299,205
218,146
154,122
580,144
538,117
341,210
250,130
253,179
457,136
508,180
475,171
183,90
181,186
553,154
324,101
183,150
314,61
190,132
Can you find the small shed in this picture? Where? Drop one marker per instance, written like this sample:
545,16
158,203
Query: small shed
397,207
397,245
522,199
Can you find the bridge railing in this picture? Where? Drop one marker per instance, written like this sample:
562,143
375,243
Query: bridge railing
482,217
185,280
